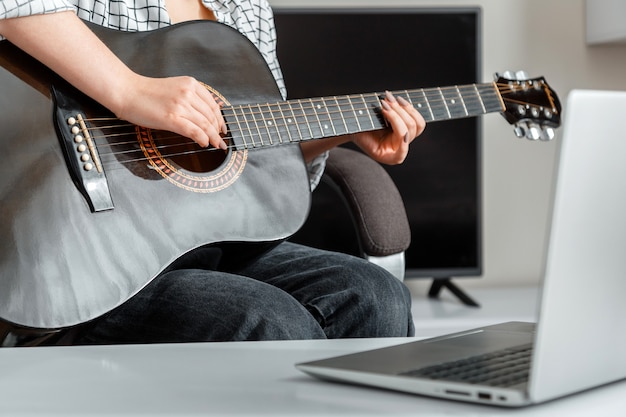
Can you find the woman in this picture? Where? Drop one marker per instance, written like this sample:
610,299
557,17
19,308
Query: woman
290,292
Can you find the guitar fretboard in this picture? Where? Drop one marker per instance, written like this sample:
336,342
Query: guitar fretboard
267,124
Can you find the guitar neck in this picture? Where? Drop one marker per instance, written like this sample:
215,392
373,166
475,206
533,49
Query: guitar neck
259,125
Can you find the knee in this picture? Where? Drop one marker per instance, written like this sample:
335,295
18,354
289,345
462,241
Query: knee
386,301
237,309
272,316
372,303
198,305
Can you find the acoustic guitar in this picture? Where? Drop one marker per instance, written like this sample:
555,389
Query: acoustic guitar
93,208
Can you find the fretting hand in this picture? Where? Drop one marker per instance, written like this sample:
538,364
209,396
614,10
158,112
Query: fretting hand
391,145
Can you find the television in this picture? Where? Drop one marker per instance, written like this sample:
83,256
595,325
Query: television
326,51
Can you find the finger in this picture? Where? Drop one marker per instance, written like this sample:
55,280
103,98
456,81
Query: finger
194,125
409,123
403,110
202,131
420,123
191,130
398,119
206,117
216,109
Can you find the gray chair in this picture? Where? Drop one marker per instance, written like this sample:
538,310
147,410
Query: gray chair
378,228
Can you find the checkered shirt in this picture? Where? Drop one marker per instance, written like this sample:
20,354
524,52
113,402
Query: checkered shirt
253,18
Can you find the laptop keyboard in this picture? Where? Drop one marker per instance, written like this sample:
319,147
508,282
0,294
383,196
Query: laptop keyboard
503,368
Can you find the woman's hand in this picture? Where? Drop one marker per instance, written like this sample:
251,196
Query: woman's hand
177,104
391,145
387,146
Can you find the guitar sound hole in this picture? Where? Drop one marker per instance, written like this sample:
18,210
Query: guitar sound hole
188,155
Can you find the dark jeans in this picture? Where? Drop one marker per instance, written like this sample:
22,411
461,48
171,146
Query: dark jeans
292,292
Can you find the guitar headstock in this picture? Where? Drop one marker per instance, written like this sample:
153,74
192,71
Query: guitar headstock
530,105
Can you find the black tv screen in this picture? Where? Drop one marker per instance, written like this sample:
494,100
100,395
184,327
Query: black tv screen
328,51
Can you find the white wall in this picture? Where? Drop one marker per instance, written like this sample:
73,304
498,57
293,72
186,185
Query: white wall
542,37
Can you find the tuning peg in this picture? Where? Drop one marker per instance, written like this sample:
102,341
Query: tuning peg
534,132
509,75
548,134
521,75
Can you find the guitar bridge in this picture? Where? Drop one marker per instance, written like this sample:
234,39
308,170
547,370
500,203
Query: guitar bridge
81,154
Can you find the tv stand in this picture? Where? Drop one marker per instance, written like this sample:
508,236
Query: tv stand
440,283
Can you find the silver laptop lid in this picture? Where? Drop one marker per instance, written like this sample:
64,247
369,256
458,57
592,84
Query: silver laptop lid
581,334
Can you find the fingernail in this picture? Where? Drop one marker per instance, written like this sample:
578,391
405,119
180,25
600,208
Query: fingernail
403,101
385,105
224,129
223,146
389,96
406,137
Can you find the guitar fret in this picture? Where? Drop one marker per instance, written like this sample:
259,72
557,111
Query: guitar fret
284,135
413,101
269,122
247,133
290,123
330,112
261,124
354,114
428,106
491,98
342,117
364,112
321,111
406,95
296,122
333,115
443,99
314,118
281,123
472,100
234,126
458,91
318,123
303,119
482,104
436,104
256,128
453,102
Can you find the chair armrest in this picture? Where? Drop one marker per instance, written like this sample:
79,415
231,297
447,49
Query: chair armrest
374,200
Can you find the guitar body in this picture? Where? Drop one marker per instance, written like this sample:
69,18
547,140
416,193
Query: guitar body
62,262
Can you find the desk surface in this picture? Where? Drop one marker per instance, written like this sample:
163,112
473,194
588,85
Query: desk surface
245,378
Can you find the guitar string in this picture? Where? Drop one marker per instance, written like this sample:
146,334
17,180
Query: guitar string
170,153
271,107
439,103
199,149
254,122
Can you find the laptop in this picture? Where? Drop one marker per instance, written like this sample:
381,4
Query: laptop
579,340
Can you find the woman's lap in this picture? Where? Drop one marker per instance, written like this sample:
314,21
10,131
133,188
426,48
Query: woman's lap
292,292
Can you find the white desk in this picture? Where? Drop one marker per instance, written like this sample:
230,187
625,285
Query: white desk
448,315
251,378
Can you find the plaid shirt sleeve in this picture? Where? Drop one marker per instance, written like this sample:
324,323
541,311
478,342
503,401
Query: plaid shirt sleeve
253,18
19,8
